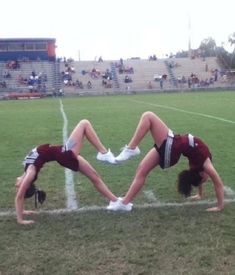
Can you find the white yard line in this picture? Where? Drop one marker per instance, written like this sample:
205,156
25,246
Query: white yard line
183,111
149,194
72,203
229,191
137,206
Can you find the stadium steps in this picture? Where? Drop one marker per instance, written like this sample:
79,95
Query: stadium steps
114,75
171,74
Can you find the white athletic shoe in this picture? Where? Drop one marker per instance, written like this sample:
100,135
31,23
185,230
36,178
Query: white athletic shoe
106,157
128,153
119,206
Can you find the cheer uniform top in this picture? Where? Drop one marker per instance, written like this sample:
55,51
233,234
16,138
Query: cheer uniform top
46,153
189,146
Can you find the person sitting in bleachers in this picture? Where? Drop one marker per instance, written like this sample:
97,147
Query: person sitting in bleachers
127,79
95,73
89,85
153,58
106,84
107,75
13,65
150,85
127,70
3,84
7,74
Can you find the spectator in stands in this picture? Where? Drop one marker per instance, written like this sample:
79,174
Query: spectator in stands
3,84
161,83
67,156
127,79
43,88
7,74
164,77
216,74
150,86
89,85
189,82
106,83
166,152
153,58
13,65
100,60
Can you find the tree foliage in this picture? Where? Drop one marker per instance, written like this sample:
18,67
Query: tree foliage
208,47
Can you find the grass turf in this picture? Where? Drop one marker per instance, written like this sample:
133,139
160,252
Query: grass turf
180,240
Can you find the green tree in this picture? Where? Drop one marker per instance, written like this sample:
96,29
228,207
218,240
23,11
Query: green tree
208,47
231,40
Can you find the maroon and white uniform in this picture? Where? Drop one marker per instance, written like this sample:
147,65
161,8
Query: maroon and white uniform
189,146
46,153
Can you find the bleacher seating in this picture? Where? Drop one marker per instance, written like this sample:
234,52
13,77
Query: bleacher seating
45,69
203,68
145,75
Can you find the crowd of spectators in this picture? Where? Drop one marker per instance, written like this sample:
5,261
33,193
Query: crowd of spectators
68,75
123,69
94,77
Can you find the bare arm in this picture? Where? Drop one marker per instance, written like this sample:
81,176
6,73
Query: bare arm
22,184
218,185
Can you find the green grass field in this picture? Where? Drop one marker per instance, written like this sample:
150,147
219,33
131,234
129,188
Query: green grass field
179,239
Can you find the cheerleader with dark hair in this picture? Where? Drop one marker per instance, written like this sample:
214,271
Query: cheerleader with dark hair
68,156
166,152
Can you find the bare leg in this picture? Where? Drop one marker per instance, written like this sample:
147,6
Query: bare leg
150,161
86,169
83,130
149,122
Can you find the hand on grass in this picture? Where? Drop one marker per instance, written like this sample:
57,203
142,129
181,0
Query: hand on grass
25,222
29,212
195,197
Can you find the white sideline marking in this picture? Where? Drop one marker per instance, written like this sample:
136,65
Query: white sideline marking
184,111
229,191
150,195
102,208
69,181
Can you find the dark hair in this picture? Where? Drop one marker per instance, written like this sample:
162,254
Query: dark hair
186,179
40,195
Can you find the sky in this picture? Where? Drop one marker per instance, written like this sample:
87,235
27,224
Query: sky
114,29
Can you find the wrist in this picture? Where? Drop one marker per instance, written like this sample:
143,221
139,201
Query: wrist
19,220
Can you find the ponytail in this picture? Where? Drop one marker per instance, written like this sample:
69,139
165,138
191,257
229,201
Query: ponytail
187,179
39,195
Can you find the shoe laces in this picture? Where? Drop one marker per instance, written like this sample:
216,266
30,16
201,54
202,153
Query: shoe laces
124,147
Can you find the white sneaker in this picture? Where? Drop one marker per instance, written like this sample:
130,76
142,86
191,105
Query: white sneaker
106,157
128,153
119,206
112,204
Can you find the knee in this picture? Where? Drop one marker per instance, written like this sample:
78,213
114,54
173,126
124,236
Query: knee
84,122
148,115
